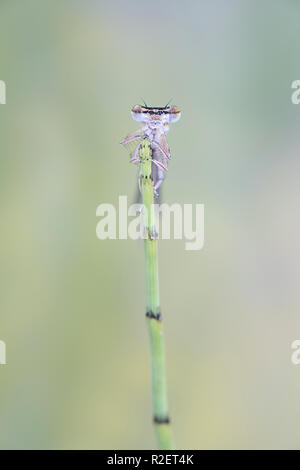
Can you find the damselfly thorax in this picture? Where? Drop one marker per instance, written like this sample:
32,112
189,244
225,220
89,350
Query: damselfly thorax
154,126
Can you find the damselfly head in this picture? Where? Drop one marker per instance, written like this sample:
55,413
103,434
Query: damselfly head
147,114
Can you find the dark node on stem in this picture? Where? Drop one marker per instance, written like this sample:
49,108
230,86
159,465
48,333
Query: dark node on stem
152,235
165,420
154,316
146,177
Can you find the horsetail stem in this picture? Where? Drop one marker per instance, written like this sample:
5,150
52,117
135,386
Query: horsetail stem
157,349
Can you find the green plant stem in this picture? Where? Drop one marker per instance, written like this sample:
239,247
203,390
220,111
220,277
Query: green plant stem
159,386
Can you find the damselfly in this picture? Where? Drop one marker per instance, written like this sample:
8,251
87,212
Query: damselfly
155,124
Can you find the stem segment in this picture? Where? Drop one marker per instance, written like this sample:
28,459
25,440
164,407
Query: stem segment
159,387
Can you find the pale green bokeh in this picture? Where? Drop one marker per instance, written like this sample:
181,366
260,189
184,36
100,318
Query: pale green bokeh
72,306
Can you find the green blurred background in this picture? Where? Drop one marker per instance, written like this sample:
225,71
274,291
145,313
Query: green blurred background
72,306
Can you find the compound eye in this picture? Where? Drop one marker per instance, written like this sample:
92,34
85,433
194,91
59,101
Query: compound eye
174,114
136,112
